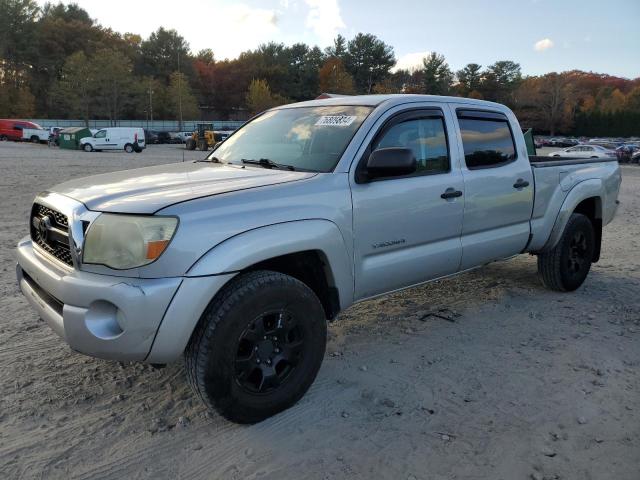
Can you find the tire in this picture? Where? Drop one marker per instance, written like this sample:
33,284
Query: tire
190,144
35,139
128,148
3,138
202,145
229,338
565,267
87,147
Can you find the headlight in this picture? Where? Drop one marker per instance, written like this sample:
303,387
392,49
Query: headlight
127,241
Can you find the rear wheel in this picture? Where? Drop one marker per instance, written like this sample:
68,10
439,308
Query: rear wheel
202,145
87,147
565,267
128,148
35,139
258,346
190,144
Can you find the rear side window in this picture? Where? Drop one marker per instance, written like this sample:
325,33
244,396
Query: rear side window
486,139
426,137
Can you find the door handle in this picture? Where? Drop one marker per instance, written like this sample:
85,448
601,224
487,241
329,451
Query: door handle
520,183
451,193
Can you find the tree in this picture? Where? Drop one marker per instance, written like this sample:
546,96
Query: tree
633,100
547,102
16,101
259,97
369,60
338,49
469,79
437,76
182,100
164,52
74,92
334,78
500,81
115,83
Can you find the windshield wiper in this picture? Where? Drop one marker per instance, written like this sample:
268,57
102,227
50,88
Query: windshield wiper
266,163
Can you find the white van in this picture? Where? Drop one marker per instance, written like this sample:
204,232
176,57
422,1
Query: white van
129,139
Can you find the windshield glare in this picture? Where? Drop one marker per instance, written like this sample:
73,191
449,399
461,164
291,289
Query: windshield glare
306,138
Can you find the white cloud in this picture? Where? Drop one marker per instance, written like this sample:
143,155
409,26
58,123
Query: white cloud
324,19
410,61
542,45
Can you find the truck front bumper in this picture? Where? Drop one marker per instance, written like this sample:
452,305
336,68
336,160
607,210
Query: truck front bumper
104,316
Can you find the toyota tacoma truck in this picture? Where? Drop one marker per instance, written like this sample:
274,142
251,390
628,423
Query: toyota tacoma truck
236,262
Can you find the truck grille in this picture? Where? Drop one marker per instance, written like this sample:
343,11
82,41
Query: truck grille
50,231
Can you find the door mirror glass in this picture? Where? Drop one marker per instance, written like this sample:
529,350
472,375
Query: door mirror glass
391,162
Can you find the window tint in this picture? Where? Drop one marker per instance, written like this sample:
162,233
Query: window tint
426,137
486,142
101,134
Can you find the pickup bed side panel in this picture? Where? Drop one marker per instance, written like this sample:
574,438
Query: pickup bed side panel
559,189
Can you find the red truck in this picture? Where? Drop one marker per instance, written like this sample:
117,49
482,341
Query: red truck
12,129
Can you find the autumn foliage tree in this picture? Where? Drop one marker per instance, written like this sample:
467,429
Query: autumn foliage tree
334,78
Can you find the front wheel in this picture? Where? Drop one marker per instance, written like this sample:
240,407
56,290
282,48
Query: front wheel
87,147
566,266
258,346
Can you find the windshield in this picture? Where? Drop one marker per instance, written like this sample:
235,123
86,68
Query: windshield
305,138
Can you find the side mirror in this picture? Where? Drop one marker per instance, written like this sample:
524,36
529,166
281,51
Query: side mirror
391,162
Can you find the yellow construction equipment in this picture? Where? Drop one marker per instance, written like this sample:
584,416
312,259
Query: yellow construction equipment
202,138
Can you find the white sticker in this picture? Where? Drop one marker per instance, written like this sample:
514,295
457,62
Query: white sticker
335,121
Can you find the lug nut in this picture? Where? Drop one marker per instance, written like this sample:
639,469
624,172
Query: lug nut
255,348
277,350
268,362
265,337
257,360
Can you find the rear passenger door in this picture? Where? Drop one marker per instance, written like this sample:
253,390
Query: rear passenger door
405,230
498,184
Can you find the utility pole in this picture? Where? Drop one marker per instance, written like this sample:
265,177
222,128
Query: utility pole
179,94
151,104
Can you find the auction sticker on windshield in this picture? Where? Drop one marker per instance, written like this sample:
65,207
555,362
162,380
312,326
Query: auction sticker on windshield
335,120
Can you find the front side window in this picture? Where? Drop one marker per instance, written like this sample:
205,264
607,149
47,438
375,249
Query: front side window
101,134
425,137
302,138
487,142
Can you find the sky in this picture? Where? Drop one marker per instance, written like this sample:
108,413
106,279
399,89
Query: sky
541,35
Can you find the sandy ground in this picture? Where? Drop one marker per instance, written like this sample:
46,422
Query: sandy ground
506,381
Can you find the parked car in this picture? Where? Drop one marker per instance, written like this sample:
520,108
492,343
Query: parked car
129,139
181,137
13,129
635,158
238,263
163,137
584,151
151,137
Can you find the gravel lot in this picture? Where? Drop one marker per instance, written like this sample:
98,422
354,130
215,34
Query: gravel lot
484,376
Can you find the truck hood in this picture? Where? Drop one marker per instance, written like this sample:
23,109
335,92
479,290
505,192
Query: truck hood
147,190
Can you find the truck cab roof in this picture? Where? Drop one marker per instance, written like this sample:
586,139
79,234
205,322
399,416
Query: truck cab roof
392,100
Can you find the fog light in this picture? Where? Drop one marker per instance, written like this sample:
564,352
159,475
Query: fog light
103,319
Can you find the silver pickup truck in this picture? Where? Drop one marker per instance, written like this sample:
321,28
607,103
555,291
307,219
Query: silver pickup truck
236,262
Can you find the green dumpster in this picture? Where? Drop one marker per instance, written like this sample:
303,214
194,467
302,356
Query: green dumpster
69,138
529,142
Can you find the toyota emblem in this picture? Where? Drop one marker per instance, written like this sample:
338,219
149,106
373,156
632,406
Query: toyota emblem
43,227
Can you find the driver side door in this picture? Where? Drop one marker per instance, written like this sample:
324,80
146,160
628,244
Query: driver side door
407,228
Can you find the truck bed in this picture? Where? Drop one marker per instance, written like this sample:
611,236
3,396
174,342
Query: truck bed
554,178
